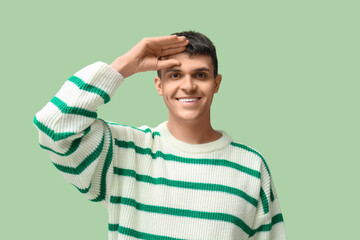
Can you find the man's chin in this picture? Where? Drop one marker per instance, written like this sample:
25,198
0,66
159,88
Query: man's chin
187,118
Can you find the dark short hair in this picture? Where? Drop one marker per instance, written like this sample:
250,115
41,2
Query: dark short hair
199,44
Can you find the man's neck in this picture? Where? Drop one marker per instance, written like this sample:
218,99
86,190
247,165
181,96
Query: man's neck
193,132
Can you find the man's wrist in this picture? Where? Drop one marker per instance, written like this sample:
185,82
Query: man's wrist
121,65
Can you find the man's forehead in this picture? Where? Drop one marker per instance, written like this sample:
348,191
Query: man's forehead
197,61
184,55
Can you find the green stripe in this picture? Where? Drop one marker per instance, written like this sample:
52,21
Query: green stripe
253,151
183,184
83,190
107,163
272,197
262,193
267,227
90,88
51,133
137,234
155,133
182,212
64,108
264,201
170,157
73,147
85,163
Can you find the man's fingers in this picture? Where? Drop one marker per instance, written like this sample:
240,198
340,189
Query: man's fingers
175,45
172,51
164,45
165,40
167,63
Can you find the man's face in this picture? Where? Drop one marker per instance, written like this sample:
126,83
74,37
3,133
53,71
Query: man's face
188,89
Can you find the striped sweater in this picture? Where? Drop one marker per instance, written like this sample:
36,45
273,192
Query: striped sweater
153,185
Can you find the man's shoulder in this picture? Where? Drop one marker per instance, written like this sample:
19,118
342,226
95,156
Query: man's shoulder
131,133
245,148
247,154
253,154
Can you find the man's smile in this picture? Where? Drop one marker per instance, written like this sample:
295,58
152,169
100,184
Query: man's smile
188,99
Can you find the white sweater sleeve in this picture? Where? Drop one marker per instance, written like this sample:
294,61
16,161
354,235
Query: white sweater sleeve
80,145
268,222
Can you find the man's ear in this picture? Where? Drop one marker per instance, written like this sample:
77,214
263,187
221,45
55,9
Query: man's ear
158,85
217,82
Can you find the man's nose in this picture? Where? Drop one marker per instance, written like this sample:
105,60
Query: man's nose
188,83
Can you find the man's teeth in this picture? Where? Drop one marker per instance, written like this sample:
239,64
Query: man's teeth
188,99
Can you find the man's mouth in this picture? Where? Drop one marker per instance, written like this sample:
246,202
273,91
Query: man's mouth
188,99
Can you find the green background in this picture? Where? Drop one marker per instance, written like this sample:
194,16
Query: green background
290,89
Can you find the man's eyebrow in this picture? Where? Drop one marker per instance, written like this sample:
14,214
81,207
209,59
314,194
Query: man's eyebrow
203,69
171,70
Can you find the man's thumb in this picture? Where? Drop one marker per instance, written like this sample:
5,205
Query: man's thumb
167,63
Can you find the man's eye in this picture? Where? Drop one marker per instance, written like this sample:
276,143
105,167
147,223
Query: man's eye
201,75
174,75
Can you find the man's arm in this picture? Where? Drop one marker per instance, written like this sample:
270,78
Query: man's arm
145,55
268,222
78,142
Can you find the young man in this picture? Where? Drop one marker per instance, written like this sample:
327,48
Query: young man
180,180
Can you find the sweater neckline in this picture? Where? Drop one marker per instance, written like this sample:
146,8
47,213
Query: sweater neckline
220,143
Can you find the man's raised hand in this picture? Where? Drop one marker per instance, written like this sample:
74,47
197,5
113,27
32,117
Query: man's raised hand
145,56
